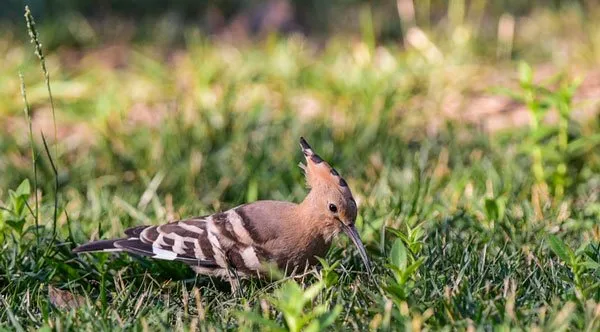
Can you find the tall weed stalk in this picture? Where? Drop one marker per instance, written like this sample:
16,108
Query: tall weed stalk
35,40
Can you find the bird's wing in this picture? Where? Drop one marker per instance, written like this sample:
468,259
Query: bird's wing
222,240
184,240
237,238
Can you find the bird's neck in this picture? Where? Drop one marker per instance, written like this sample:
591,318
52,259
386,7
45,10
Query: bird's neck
309,208
314,220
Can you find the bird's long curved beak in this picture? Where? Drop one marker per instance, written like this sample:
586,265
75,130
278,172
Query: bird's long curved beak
351,231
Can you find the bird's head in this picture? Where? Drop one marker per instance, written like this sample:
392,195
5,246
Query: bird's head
331,198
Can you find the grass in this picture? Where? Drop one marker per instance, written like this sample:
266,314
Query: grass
462,229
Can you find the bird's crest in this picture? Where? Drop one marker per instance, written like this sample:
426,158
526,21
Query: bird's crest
318,171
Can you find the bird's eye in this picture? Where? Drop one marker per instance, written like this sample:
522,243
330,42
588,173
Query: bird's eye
332,208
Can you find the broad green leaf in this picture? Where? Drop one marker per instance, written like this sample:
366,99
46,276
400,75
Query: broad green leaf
560,249
313,327
16,224
414,267
319,310
293,322
398,255
583,144
288,296
18,203
591,265
394,268
330,317
24,189
494,208
395,291
312,291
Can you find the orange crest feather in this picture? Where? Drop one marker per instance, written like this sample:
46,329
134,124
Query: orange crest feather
318,171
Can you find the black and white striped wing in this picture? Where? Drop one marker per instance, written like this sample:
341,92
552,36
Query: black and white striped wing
219,241
185,241
211,244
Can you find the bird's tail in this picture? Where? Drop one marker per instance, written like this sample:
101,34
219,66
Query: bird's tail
109,245
101,245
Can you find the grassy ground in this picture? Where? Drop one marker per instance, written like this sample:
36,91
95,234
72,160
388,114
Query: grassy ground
466,228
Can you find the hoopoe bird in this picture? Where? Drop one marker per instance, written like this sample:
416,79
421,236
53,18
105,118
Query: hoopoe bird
242,241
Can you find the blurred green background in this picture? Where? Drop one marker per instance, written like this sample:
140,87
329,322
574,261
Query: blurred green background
85,23
469,132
